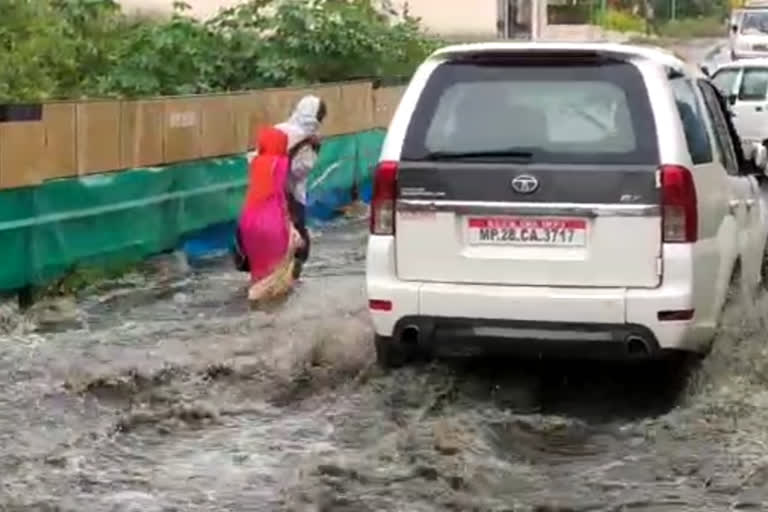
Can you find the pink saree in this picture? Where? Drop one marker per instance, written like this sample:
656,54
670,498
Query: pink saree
265,227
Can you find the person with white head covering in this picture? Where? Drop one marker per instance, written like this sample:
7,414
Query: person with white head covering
303,147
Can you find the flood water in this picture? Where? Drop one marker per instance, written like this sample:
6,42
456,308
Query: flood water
161,391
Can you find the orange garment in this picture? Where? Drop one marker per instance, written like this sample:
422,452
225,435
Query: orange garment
272,144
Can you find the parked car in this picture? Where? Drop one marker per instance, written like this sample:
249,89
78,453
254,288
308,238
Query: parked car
559,199
745,84
748,36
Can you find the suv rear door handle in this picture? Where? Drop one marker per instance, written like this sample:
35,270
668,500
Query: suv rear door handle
750,203
733,205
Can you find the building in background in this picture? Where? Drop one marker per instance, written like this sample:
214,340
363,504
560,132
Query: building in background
519,19
455,19
200,8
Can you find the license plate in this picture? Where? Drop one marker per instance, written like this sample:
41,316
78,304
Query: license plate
527,231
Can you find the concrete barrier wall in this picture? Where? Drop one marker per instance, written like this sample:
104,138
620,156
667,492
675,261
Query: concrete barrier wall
122,217
82,138
102,182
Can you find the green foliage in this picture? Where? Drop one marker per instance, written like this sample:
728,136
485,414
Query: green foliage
621,21
693,27
78,48
691,9
30,49
692,18
683,8
83,277
569,13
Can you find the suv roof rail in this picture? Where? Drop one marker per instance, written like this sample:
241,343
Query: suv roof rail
612,51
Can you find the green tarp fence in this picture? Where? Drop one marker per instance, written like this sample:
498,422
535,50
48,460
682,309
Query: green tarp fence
125,216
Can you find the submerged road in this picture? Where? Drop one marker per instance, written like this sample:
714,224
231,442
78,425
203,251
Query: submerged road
161,391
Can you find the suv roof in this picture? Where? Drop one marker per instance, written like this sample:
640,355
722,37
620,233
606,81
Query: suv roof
622,51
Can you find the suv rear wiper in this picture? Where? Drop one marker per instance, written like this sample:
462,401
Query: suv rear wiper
494,153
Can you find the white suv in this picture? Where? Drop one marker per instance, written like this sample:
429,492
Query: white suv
583,199
745,84
748,35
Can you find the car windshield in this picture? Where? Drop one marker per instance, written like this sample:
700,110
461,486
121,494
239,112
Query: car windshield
587,114
724,80
754,22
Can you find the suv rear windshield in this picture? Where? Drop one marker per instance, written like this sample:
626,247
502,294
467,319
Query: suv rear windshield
552,112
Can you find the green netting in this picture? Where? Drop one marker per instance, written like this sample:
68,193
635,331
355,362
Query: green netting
344,162
15,238
125,216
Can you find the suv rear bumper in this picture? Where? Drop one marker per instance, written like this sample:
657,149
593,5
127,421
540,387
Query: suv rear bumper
520,318
467,337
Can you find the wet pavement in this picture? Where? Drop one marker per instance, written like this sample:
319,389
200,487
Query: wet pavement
709,52
162,391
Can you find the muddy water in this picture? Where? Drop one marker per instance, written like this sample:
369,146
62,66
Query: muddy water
161,391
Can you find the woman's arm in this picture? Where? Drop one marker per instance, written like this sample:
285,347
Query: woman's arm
302,163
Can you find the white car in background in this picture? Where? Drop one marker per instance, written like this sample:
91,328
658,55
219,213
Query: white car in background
577,199
745,84
748,35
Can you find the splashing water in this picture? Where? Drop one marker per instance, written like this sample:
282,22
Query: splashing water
167,393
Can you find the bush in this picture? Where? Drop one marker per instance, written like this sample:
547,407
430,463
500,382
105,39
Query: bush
693,27
691,9
577,13
81,48
621,21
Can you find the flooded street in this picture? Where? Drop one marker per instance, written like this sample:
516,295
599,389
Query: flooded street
161,391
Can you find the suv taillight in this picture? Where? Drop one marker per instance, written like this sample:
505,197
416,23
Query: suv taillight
680,218
383,201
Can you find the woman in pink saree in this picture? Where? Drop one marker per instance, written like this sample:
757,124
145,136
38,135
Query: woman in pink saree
265,229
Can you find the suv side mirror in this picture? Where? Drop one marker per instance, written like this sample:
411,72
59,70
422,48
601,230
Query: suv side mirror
705,69
731,99
734,28
759,157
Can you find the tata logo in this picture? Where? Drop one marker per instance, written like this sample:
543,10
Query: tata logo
525,184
